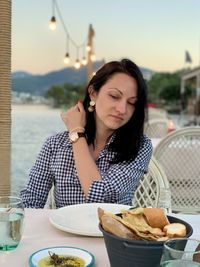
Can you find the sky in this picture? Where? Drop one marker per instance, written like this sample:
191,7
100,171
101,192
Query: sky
153,33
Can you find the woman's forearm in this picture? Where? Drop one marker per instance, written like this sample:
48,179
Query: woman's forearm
85,165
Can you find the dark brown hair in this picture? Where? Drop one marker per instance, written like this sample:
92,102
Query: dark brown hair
127,141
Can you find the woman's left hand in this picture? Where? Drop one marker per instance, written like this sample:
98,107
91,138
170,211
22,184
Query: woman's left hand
74,117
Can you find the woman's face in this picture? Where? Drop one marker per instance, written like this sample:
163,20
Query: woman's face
115,102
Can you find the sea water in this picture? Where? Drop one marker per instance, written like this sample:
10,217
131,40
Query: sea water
11,227
180,263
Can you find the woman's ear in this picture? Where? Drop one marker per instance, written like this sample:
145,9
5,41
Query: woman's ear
92,92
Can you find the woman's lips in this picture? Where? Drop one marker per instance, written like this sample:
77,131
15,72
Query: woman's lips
117,117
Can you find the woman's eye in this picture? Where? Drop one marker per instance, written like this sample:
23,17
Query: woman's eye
132,103
114,96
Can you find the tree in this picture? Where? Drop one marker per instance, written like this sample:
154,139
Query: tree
165,87
65,95
5,96
56,93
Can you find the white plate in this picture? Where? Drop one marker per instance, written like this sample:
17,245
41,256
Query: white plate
82,219
67,251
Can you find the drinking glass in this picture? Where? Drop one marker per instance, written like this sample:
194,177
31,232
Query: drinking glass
181,252
11,222
165,199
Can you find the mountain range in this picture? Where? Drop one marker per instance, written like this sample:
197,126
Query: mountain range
23,81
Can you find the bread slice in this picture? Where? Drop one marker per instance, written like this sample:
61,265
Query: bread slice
175,230
115,227
156,217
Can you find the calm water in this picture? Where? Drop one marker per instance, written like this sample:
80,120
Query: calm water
30,127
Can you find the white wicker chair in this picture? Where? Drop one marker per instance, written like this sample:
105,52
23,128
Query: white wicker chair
151,185
157,128
155,113
50,203
179,155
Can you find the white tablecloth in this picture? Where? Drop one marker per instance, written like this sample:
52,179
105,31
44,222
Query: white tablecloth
39,233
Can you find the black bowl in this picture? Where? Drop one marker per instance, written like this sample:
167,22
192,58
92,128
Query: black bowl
124,252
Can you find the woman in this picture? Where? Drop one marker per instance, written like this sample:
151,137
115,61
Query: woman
103,153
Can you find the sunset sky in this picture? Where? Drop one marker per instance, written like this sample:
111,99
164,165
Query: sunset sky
153,33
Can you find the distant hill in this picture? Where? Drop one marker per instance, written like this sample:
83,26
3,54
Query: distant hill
38,84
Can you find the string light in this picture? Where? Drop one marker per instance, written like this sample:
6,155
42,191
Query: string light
67,58
52,22
88,48
92,56
77,64
84,60
69,40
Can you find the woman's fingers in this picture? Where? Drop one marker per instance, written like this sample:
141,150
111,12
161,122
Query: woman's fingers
74,116
80,106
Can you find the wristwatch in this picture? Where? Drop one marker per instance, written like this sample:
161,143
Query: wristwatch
74,136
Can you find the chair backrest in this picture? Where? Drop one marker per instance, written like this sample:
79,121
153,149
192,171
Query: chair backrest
155,113
50,203
150,186
179,155
157,128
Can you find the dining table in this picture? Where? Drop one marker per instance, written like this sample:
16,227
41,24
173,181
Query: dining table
39,233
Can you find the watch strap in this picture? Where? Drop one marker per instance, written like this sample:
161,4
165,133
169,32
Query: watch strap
74,136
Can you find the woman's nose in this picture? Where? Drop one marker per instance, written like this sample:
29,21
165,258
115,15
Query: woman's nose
121,107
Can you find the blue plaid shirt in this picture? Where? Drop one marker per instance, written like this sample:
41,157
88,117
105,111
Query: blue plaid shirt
55,165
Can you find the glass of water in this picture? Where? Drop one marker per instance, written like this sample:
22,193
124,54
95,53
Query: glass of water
11,222
181,252
164,201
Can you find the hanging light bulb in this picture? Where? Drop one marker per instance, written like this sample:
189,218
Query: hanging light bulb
52,24
66,58
88,47
77,64
92,57
84,61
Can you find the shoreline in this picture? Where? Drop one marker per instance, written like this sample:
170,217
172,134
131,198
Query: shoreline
32,108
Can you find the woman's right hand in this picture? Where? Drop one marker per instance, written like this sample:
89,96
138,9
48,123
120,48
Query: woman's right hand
74,117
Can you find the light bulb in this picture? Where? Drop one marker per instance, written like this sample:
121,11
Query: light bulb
88,47
52,24
92,57
77,64
66,59
84,61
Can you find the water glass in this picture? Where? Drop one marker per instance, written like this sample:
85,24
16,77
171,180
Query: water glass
165,199
11,222
181,252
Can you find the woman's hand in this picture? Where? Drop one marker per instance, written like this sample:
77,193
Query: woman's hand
74,117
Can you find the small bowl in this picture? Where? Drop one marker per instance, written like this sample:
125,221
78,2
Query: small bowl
136,253
67,251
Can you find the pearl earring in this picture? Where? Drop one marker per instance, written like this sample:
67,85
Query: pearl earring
91,107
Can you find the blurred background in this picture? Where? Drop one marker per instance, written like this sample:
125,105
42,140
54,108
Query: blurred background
57,45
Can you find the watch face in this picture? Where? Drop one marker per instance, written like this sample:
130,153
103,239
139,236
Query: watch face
73,136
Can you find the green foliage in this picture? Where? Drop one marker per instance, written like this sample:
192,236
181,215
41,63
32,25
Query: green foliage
165,88
66,95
